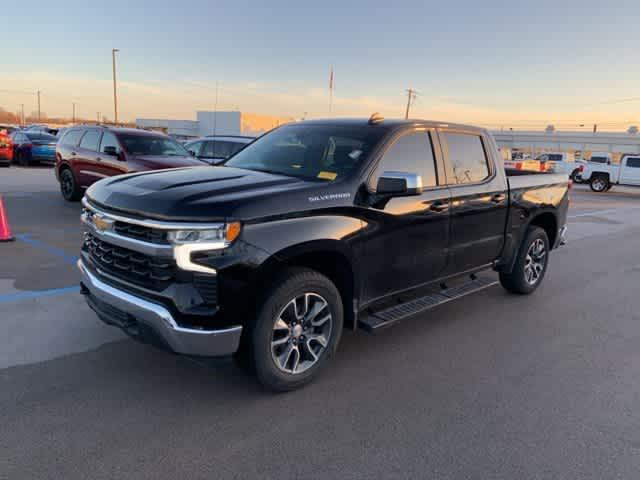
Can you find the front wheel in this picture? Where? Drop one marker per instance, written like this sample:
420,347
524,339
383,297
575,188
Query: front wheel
531,263
600,184
297,329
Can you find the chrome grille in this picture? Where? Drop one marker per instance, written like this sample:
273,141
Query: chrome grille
140,232
153,273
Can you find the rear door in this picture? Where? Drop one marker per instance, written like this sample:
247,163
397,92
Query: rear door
409,236
630,171
479,203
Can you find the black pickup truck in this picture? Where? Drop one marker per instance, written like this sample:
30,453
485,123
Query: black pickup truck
314,227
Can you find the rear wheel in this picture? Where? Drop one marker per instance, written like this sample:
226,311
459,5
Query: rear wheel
68,186
23,160
600,184
297,329
531,264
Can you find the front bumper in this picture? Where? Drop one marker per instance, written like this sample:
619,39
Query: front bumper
151,322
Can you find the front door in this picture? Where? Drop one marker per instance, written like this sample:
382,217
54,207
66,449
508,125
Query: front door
479,203
630,171
111,164
407,237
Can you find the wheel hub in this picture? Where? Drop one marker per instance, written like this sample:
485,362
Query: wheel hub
301,333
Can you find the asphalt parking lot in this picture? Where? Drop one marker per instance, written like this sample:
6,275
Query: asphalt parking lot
492,386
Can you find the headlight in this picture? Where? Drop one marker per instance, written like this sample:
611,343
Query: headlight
221,233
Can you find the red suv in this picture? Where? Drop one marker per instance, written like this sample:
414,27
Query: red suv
86,154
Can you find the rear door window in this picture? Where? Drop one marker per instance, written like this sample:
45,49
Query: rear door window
72,138
467,158
633,162
90,140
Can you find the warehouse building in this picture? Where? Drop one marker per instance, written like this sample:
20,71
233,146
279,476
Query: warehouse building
582,144
214,123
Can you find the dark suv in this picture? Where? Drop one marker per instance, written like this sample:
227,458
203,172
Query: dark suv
86,154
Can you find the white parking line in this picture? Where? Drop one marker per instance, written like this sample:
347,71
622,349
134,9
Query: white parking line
602,212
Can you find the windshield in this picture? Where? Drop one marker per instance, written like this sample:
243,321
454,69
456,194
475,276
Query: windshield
312,152
152,145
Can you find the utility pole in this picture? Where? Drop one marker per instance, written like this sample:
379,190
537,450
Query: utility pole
39,114
73,118
22,111
115,95
595,127
411,96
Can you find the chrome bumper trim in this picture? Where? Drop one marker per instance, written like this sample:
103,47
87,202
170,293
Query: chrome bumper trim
152,249
187,341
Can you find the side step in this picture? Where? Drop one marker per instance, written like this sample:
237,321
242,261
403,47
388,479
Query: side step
384,318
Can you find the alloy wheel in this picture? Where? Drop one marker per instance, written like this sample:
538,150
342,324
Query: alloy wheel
66,184
599,185
535,261
301,333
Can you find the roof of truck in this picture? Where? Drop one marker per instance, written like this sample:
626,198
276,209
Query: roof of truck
386,122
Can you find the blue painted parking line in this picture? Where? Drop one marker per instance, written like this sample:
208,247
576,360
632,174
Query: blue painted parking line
28,295
57,252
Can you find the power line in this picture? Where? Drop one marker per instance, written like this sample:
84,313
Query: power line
411,96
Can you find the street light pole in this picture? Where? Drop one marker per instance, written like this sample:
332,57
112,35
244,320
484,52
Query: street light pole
115,95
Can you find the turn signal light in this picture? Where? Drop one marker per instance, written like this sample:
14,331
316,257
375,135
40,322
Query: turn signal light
232,231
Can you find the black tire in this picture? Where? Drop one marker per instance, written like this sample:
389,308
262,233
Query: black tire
23,160
290,285
575,176
69,188
599,184
518,280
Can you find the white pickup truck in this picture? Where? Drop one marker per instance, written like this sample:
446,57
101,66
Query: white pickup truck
561,162
602,176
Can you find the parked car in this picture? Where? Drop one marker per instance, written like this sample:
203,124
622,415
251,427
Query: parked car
8,129
601,176
88,153
600,157
315,226
41,129
561,162
33,147
6,148
216,149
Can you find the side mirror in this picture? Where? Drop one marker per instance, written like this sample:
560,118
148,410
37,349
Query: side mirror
399,184
192,153
111,150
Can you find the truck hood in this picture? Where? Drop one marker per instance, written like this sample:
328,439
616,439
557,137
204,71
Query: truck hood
157,162
212,194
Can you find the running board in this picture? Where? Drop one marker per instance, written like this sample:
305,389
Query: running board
384,318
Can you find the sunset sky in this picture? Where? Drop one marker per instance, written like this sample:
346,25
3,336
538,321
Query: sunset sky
521,64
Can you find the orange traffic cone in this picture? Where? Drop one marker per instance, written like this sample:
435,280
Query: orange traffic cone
5,231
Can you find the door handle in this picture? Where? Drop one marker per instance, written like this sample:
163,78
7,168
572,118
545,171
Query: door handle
439,206
498,198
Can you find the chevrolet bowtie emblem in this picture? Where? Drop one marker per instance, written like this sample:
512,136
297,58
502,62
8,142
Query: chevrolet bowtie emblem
101,223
